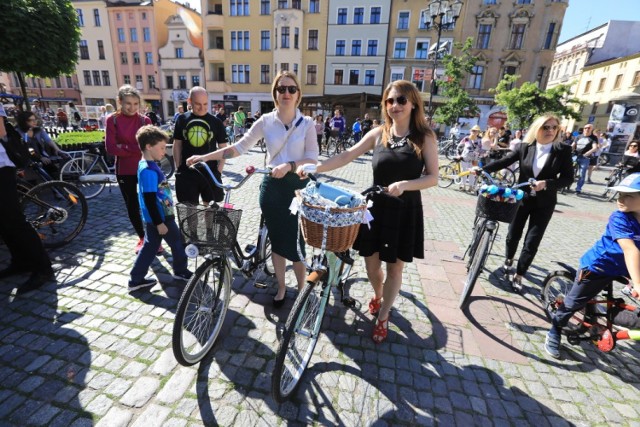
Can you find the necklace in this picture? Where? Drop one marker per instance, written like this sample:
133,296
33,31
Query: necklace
397,143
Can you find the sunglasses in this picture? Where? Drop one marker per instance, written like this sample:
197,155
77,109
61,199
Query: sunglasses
549,127
633,145
401,100
283,89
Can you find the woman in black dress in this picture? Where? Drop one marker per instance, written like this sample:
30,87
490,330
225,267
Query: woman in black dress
402,147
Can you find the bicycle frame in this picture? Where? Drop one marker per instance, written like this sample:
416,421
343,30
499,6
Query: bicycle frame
97,177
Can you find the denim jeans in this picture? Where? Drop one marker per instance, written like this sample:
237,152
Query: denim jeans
149,249
583,162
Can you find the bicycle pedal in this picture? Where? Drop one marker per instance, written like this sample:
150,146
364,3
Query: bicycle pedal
259,285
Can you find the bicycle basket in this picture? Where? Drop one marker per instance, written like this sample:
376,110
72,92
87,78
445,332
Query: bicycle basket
212,229
496,210
329,228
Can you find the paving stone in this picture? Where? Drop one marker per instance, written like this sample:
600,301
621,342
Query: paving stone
141,391
177,385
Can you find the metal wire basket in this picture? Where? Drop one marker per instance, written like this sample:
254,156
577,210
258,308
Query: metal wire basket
496,210
212,229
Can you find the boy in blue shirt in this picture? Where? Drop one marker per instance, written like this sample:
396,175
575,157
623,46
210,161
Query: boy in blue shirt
617,253
156,204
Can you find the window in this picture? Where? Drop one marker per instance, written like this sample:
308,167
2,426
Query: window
403,21
375,15
594,108
127,79
354,76
148,58
239,7
575,67
139,85
240,74
295,68
58,81
118,17
422,49
356,48
358,15
100,49
587,87
548,41
265,74
69,82
313,40
96,17
369,77
524,2
609,107
284,37
475,78
284,66
617,82
636,79
296,4
265,40
182,81
340,47
342,16
239,40
121,35
484,34
296,38
338,76
312,74
488,1
283,4
80,18
265,7
84,49
134,34
105,78
136,57
517,36
397,76
179,52
601,84
400,50
87,77
169,82
372,48
144,16
146,34
314,6
195,80
96,78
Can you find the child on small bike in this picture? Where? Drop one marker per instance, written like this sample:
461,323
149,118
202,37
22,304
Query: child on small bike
617,253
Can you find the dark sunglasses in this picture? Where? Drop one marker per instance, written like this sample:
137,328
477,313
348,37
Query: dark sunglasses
283,89
633,145
549,127
401,100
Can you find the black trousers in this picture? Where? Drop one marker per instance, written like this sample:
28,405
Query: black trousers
129,188
539,218
22,240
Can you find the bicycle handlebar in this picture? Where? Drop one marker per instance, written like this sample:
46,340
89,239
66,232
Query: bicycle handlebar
250,170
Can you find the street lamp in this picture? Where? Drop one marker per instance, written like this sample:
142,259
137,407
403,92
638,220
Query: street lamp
446,12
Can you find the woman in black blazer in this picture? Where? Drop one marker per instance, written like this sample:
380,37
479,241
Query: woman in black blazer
543,157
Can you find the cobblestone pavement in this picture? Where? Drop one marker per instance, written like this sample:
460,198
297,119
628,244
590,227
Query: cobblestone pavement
84,352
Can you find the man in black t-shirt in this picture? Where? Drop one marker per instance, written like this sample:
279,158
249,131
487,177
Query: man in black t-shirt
196,133
367,123
585,147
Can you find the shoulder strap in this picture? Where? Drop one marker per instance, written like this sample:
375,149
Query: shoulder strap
293,128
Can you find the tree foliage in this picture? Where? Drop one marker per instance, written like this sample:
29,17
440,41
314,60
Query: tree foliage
459,103
526,102
40,38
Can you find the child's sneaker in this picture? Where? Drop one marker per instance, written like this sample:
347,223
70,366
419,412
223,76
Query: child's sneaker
144,283
552,345
183,276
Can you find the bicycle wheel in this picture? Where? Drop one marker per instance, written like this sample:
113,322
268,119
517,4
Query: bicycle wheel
475,239
57,210
451,152
504,177
609,194
332,147
263,145
83,166
201,311
167,166
264,251
554,289
445,176
477,263
603,159
298,340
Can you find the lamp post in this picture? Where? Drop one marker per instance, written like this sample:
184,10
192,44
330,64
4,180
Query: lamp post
446,12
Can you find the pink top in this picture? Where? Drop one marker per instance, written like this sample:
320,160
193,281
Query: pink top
121,141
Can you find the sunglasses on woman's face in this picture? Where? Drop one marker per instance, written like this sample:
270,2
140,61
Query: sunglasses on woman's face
283,89
633,145
401,100
550,127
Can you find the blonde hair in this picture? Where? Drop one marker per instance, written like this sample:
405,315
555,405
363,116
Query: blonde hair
418,126
537,124
276,81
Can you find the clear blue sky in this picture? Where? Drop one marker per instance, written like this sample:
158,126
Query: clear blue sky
583,15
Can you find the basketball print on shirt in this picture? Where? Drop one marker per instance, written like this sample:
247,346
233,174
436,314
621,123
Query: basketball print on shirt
198,133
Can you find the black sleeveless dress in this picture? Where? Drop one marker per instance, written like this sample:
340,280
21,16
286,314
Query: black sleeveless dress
397,229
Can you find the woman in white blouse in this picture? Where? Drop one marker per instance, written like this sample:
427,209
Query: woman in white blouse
291,140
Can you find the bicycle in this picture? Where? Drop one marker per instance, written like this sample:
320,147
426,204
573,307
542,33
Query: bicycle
330,267
489,214
453,173
448,147
584,324
212,230
617,174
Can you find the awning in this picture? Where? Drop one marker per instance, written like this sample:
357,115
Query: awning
55,99
8,95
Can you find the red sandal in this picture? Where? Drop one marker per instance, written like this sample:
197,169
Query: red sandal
381,330
374,305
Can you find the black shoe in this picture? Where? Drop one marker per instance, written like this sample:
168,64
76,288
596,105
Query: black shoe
144,283
277,303
516,284
12,270
35,281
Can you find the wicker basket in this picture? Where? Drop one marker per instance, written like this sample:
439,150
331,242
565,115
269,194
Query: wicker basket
496,211
338,238
211,229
